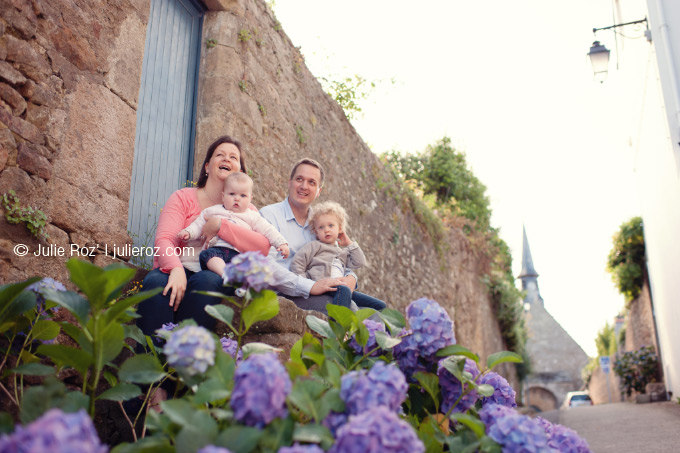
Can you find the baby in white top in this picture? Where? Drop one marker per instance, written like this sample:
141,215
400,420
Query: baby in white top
238,192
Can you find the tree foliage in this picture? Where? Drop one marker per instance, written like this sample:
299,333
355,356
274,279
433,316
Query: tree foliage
606,341
626,261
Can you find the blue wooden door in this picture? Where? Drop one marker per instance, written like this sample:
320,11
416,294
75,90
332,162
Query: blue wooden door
166,114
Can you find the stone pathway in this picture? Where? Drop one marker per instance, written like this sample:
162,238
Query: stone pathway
624,427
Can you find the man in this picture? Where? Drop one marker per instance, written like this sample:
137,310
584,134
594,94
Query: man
290,217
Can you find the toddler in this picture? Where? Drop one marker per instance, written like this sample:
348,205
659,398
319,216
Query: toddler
331,254
238,191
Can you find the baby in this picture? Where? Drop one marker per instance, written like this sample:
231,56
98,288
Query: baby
238,191
331,254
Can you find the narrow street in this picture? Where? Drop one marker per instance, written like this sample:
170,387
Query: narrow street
624,427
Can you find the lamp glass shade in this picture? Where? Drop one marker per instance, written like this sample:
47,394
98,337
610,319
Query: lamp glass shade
599,57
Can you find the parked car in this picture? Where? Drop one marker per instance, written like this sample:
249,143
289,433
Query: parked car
575,399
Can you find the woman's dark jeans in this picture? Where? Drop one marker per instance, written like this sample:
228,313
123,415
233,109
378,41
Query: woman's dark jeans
156,311
344,295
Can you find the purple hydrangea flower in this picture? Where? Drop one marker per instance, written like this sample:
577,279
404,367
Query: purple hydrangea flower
191,349
431,330
515,432
372,327
38,287
563,439
503,393
250,269
383,385
231,347
334,420
297,448
261,385
379,430
55,431
213,449
169,326
452,389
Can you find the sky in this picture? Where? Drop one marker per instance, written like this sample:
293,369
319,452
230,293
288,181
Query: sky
510,83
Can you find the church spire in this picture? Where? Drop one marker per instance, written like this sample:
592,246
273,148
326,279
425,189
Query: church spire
529,276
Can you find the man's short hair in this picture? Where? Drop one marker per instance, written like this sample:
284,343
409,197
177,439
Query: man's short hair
313,163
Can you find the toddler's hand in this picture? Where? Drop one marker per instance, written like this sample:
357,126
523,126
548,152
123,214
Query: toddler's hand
285,251
183,235
343,239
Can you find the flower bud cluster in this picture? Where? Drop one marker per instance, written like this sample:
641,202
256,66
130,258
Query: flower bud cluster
372,327
191,349
383,385
452,388
231,347
250,269
261,385
55,431
503,392
513,431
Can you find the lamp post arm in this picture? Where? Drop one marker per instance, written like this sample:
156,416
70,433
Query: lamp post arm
595,30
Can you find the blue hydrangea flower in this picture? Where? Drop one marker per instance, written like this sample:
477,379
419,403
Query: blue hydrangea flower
372,327
383,385
516,433
431,329
213,449
334,420
55,431
231,347
191,349
452,389
169,326
503,393
563,439
379,430
38,287
250,269
261,385
297,448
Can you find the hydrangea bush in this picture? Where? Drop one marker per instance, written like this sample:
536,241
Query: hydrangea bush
361,382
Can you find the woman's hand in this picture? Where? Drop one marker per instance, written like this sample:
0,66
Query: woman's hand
177,284
343,239
210,229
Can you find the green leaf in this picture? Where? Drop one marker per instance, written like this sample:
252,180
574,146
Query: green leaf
210,391
53,393
148,444
34,369
257,348
385,341
67,356
319,326
239,439
502,357
20,303
111,340
296,369
305,395
134,332
110,378
394,319
179,411
6,423
296,352
113,313
200,432
121,392
45,330
331,401
342,315
223,371
313,352
262,308
455,365
471,422
312,433
71,301
143,369
365,313
485,389
221,313
488,445
430,383
362,334
456,349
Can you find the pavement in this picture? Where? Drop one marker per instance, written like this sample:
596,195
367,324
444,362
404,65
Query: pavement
624,427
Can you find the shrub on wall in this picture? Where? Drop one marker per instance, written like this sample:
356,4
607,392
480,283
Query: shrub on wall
626,261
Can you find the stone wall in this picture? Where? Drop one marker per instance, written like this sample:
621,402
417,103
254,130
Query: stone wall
597,387
69,78
260,91
640,329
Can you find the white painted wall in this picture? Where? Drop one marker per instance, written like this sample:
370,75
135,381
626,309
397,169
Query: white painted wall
658,171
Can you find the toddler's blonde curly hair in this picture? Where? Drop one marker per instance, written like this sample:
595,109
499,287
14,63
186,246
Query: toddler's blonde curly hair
328,208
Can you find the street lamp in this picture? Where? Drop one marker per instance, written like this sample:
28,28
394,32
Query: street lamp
599,58
599,54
